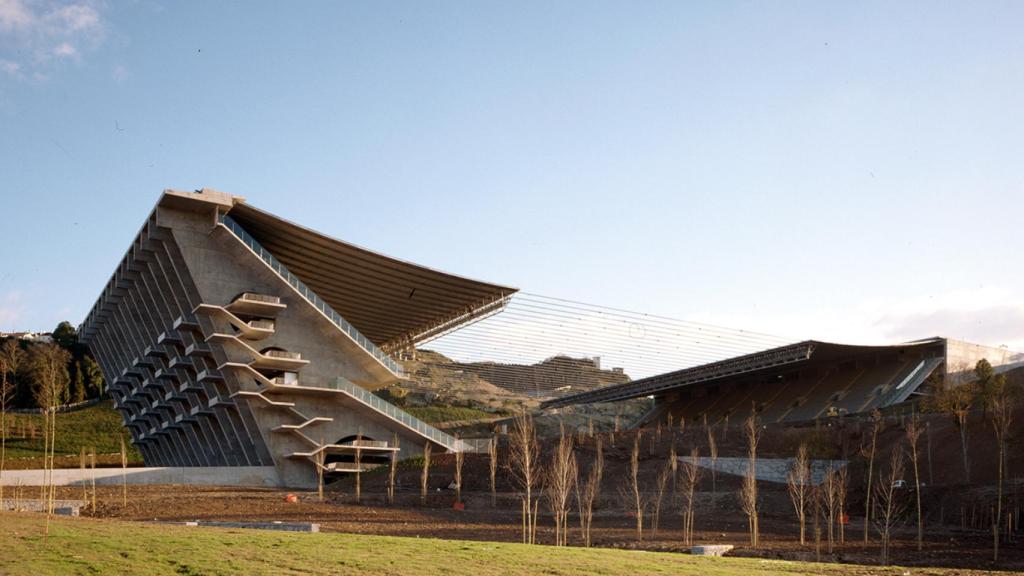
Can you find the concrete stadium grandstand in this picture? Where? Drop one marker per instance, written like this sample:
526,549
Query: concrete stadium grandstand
231,337
801,381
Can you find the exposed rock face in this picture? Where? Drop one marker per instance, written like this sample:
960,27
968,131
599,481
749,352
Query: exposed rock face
555,376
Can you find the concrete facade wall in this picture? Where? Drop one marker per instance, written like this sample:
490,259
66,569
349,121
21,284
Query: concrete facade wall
222,267
204,475
151,363
963,356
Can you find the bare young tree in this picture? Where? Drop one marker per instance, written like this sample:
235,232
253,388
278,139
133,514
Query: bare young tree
829,491
798,481
842,478
869,453
913,430
561,477
320,459
49,369
425,474
392,468
81,467
92,480
631,494
492,453
659,496
748,492
889,501
816,497
359,465
713,454
955,398
460,459
124,472
589,492
673,463
691,477
11,359
524,468
1000,410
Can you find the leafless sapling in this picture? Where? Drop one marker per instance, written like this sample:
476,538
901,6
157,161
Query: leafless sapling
913,430
11,359
799,486
955,398
748,492
49,369
632,495
460,459
1000,410
842,480
92,480
690,479
124,472
524,468
320,460
869,453
889,501
492,453
425,474
829,491
392,468
359,465
561,477
659,496
589,492
713,455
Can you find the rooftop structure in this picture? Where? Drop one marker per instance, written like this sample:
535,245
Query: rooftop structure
231,337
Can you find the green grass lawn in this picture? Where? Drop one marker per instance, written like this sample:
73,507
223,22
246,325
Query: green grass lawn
98,427
440,414
88,546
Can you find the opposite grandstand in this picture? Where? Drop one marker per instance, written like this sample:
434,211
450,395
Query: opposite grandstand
802,381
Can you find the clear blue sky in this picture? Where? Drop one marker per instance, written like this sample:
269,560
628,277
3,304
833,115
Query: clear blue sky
839,170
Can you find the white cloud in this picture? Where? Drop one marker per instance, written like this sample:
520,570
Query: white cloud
989,315
992,316
14,14
8,67
75,17
36,33
119,73
65,50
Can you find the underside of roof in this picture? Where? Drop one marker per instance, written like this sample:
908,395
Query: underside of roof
394,303
759,362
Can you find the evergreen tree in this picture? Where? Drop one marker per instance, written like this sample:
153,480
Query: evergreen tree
77,383
65,335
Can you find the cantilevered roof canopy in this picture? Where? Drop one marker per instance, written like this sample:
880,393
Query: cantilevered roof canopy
808,351
392,302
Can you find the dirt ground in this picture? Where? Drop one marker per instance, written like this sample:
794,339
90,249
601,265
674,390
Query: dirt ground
955,535
718,523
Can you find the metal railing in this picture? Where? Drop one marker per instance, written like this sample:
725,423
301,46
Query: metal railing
308,294
393,412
